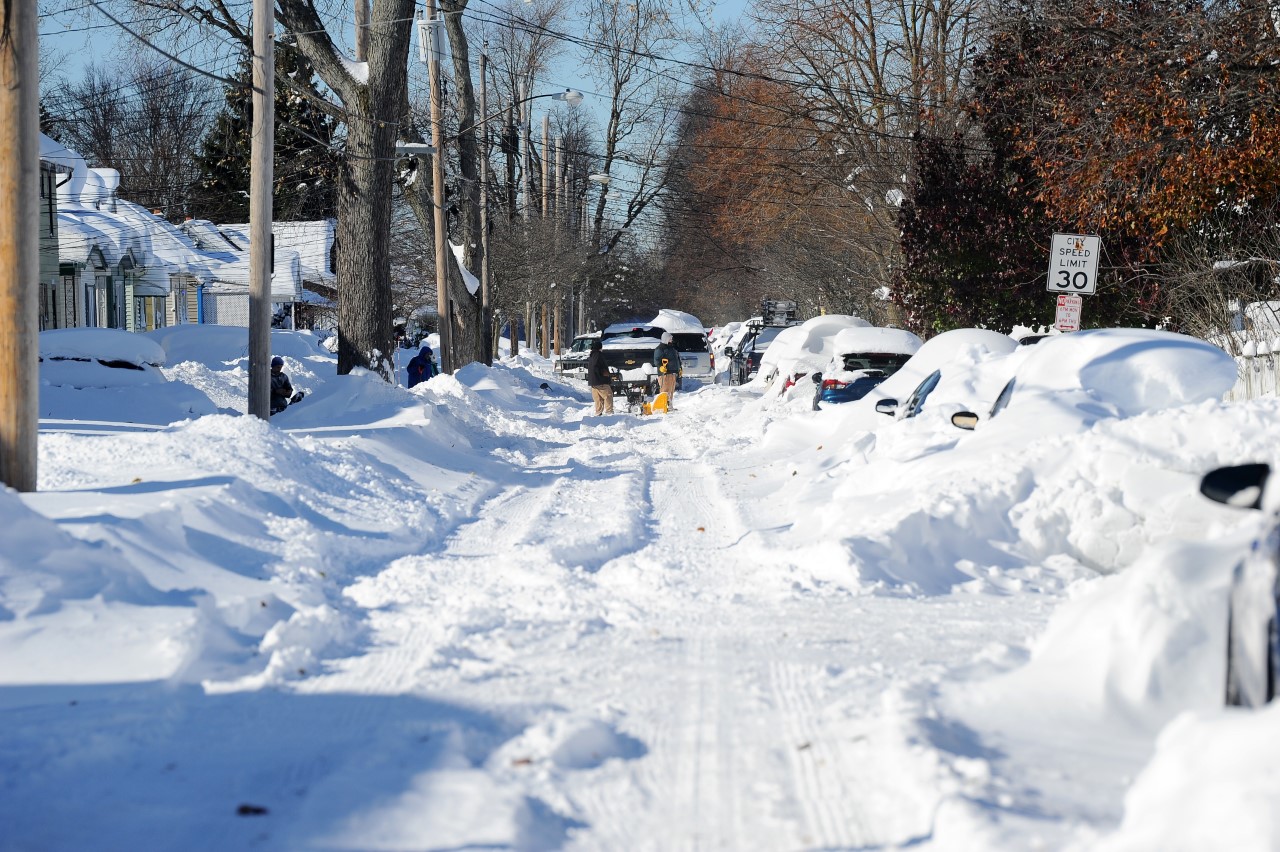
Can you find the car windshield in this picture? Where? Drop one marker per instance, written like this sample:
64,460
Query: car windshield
761,341
689,342
582,344
887,362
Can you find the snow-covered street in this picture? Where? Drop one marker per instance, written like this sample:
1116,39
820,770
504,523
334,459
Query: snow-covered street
475,616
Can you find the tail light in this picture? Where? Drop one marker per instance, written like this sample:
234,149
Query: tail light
713,362
833,384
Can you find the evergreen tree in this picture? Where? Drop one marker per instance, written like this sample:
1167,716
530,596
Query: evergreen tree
306,163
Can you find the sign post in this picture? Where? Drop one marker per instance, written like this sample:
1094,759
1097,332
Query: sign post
1073,264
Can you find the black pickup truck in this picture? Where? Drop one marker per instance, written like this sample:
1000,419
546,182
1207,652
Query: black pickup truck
630,359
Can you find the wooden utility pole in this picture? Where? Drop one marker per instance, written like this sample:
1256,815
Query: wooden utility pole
486,308
19,245
558,195
526,117
555,326
543,349
546,161
437,199
261,145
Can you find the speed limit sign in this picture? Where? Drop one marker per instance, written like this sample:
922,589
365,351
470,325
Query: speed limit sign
1073,264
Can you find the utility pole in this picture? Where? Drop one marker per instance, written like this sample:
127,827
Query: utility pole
262,143
558,195
437,200
526,113
546,160
19,246
486,308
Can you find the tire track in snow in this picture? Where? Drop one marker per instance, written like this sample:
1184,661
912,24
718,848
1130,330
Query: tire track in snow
827,786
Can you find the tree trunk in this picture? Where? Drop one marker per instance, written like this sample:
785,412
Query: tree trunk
365,335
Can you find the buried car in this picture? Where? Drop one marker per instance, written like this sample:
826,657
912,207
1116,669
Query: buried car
690,340
955,371
1068,382
864,357
116,374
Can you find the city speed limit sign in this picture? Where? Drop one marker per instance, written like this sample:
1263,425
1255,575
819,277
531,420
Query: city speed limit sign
1073,264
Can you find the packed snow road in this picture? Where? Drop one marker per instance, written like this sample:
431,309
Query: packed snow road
477,617
682,682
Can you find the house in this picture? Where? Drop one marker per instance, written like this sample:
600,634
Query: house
313,301
110,263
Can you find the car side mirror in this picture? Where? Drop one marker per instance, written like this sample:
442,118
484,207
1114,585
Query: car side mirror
964,420
887,406
817,378
1240,485
728,352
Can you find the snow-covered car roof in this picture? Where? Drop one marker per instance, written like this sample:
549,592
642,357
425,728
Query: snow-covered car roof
628,342
806,347
101,344
678,322
895,341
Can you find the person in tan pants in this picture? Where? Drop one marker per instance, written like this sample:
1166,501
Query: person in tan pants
667,359
599,380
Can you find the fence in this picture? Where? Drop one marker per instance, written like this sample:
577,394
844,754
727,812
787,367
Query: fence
1258,374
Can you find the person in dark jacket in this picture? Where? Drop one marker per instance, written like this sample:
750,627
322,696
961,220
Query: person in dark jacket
281,388
667,359
599,379
421,367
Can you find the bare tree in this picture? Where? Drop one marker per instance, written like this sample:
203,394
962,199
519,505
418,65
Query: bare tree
370,99
143,119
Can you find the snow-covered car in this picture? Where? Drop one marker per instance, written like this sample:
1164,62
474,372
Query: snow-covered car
1253,610
572,363
1065,383
863,359
112,371
955,371
803,349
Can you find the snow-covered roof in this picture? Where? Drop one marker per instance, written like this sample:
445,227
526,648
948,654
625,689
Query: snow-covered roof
311,242
91,216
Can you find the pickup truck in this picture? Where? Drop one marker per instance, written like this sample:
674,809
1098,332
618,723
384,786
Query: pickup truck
630,359
572,363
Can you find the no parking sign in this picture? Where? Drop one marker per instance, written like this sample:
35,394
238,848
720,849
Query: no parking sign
1068,316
